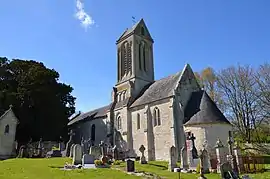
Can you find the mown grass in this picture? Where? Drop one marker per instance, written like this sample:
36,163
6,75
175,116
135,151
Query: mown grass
50,169
160,168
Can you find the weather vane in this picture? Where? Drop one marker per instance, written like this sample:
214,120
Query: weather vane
133,20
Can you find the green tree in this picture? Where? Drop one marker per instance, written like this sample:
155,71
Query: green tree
41,103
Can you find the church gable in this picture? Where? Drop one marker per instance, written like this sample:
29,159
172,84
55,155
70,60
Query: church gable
158,90
139,29
9,117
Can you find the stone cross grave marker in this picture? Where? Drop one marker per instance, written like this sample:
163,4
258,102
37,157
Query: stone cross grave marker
172,159
193,147
142,159
231,158
69,143
77,155
220,154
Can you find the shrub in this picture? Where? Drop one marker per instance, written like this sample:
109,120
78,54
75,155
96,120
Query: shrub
198,168
98,162
117,162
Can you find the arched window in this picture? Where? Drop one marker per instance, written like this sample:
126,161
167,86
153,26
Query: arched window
144,58
142,30
124,95
7,129
140,56
119,123
157,120
138,121
93,132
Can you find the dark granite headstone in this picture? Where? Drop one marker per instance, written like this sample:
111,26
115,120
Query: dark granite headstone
130,165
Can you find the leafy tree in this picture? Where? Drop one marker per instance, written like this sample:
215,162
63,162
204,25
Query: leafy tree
207,79
41,103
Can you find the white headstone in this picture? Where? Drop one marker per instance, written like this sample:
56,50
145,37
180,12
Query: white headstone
77,154
184,164
95,151
71,150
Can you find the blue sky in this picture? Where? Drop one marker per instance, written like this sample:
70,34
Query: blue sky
203,33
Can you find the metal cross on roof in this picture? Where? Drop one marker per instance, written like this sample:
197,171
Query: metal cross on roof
133,20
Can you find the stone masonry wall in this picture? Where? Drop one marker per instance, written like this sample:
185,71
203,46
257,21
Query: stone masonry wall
7,140
210,133
163,138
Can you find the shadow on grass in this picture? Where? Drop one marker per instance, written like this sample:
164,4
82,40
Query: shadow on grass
160,166
58,167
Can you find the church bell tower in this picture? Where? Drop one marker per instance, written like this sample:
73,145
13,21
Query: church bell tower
135,66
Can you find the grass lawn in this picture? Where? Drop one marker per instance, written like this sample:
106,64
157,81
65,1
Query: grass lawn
160,168
49,169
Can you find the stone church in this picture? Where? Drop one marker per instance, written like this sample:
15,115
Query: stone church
155,113
8,127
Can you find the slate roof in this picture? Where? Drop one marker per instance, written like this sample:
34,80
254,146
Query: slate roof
201,109
158,90
97,113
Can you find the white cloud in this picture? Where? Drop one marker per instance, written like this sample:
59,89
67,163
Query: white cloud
85,19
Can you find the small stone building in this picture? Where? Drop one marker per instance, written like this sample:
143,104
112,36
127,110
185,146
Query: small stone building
8,126
149,112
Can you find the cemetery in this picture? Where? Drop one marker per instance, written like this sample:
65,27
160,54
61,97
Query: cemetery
102,161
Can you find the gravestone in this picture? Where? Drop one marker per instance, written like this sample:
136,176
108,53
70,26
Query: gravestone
103,146
172,159
104,157
22,152
130,166
201,158
71,150
220,154
231,158
205,161
115,153
69,143
142,159
226,171
88,159
95,151
184,164
77,155
238,158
